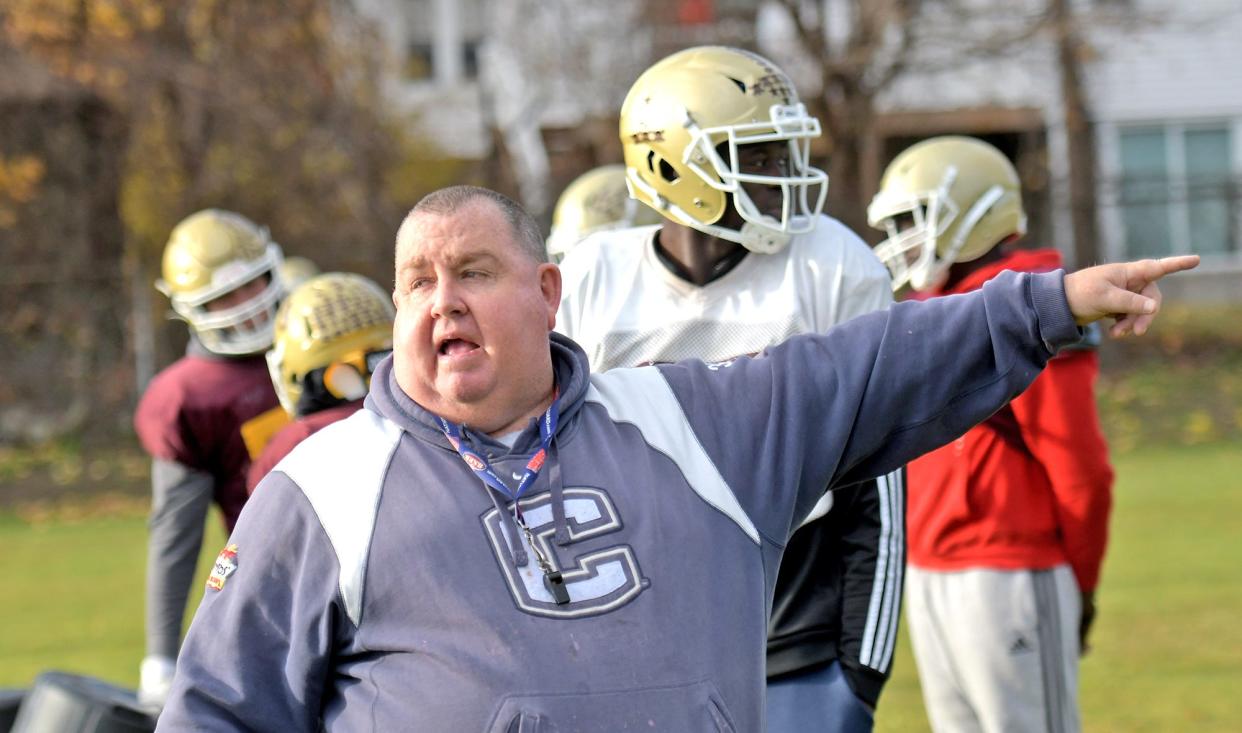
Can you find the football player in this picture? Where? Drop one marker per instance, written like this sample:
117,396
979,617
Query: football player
296,270
717,141
330,333
1007,524
202,418
596,201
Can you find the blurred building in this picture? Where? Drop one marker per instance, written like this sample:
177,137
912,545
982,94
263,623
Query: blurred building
1167,99
536,85
1162,84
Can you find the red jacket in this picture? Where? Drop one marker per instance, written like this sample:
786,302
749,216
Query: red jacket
1030,487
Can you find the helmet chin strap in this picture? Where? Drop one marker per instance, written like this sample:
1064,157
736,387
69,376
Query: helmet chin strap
761,239
930,278
976,212
934,276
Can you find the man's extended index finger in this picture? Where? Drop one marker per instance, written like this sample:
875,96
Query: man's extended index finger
1155,269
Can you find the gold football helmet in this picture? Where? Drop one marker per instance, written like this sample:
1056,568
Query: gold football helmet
334,329
296,270
210,255
944,200
681,125
595,201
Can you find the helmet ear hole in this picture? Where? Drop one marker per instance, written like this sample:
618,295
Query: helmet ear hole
685,105
667,172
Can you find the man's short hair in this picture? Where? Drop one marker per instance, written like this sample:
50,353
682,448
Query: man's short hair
448,201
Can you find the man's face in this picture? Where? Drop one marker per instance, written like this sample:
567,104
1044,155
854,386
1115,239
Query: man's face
473,315
767,159
243,294
236,297
904,222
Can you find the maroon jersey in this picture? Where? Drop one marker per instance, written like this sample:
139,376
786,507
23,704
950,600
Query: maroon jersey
193,413
291,435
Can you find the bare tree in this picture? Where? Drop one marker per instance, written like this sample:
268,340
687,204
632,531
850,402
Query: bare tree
558,64
1080,134
273,110
849,52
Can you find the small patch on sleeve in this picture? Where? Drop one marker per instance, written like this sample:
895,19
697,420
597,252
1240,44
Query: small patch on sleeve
226,565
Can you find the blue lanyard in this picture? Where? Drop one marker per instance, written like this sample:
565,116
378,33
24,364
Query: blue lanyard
552,578
483,469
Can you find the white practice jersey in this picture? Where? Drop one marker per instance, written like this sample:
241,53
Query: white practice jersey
626,308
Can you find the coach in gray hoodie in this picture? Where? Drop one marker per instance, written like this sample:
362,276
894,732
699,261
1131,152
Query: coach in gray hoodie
501,541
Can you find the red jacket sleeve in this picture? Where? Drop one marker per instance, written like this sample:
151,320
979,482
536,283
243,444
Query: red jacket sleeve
1059,422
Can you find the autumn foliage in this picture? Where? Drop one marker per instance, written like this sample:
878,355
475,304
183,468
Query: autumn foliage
271,109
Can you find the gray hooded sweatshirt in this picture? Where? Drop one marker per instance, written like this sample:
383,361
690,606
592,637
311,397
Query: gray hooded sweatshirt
375,583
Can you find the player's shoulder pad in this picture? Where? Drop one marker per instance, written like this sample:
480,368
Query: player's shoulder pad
603,250
341,471
833,239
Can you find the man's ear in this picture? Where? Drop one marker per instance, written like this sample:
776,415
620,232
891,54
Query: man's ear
550,288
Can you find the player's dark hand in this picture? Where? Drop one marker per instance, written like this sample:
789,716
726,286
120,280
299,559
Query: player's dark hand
1084,622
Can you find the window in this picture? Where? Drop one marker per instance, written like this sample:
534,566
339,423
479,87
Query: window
1209,191
420,61
442,39
1145,193
1177,191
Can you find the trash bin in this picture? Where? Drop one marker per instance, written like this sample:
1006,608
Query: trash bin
10,699
61,702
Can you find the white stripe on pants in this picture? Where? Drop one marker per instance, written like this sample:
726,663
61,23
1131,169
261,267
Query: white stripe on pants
997,651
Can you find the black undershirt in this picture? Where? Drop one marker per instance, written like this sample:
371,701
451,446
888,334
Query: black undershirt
721,267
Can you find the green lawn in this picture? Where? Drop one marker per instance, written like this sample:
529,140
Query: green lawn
1167,645
73,593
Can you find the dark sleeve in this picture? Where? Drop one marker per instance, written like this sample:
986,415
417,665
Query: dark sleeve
180,498
258,654
869,519
868,395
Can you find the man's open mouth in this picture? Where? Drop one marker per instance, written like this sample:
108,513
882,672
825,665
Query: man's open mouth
456,347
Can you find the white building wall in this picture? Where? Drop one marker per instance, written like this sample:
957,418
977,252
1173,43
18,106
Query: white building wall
444,109
541,63
1155,62
1175,60
1175,66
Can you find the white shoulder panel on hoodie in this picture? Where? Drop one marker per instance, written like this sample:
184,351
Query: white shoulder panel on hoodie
643,399
341,471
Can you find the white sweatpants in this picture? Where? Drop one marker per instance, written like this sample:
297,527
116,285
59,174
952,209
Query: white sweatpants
997,651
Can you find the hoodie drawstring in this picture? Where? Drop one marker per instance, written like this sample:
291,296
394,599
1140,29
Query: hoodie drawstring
512,533
556,486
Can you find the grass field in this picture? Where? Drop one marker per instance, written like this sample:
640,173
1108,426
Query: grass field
1167,645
